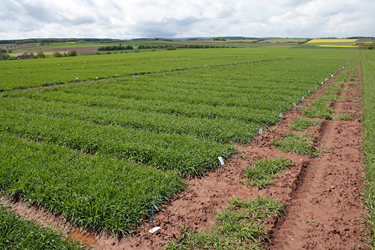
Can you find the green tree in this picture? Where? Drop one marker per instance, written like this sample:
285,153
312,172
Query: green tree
40,54
3,55
72,53
57,54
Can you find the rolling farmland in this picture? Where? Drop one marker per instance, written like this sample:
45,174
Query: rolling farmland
152,120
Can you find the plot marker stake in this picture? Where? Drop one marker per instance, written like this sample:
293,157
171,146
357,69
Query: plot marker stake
294,107
280,116
260,135
153,229
221,163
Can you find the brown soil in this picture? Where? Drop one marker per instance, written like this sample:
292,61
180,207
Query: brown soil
225,44
59,50
324,209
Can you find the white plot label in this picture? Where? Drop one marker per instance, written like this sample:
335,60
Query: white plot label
221,160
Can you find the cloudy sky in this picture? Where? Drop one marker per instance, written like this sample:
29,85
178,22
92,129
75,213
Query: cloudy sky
177,18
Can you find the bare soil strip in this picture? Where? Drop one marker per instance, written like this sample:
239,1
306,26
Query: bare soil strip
59,50
322,195
326,211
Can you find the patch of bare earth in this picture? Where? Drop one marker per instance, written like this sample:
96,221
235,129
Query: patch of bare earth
322,195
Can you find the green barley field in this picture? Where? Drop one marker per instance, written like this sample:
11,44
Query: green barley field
96,139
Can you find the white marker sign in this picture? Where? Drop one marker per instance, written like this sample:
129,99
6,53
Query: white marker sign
221,160
260,135
154,229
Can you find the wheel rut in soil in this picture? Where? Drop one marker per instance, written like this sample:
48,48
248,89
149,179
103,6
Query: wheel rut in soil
326,211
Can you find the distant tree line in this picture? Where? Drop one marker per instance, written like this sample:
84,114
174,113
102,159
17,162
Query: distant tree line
218,39
362,37
60,40
26,41
119,47
70,53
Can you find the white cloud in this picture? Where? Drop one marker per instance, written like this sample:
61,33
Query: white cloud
180,18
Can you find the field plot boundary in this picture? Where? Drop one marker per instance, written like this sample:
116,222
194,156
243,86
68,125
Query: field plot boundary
89,139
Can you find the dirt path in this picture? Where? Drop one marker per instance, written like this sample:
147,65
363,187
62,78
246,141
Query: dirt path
322,195
326,211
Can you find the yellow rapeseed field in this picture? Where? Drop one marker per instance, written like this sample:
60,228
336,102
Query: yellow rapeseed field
332,41
337,46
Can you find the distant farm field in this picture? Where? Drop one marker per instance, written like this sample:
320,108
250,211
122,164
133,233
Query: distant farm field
332,41
112,133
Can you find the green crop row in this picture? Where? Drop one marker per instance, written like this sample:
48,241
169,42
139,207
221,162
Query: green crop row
17,233
368,97
97,193
217,129
174,108
228,92
186,154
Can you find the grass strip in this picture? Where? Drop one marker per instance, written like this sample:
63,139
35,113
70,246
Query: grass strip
319,109
301,124
368,98
346,116
19,233
262,172
300,144
240,226
96,193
